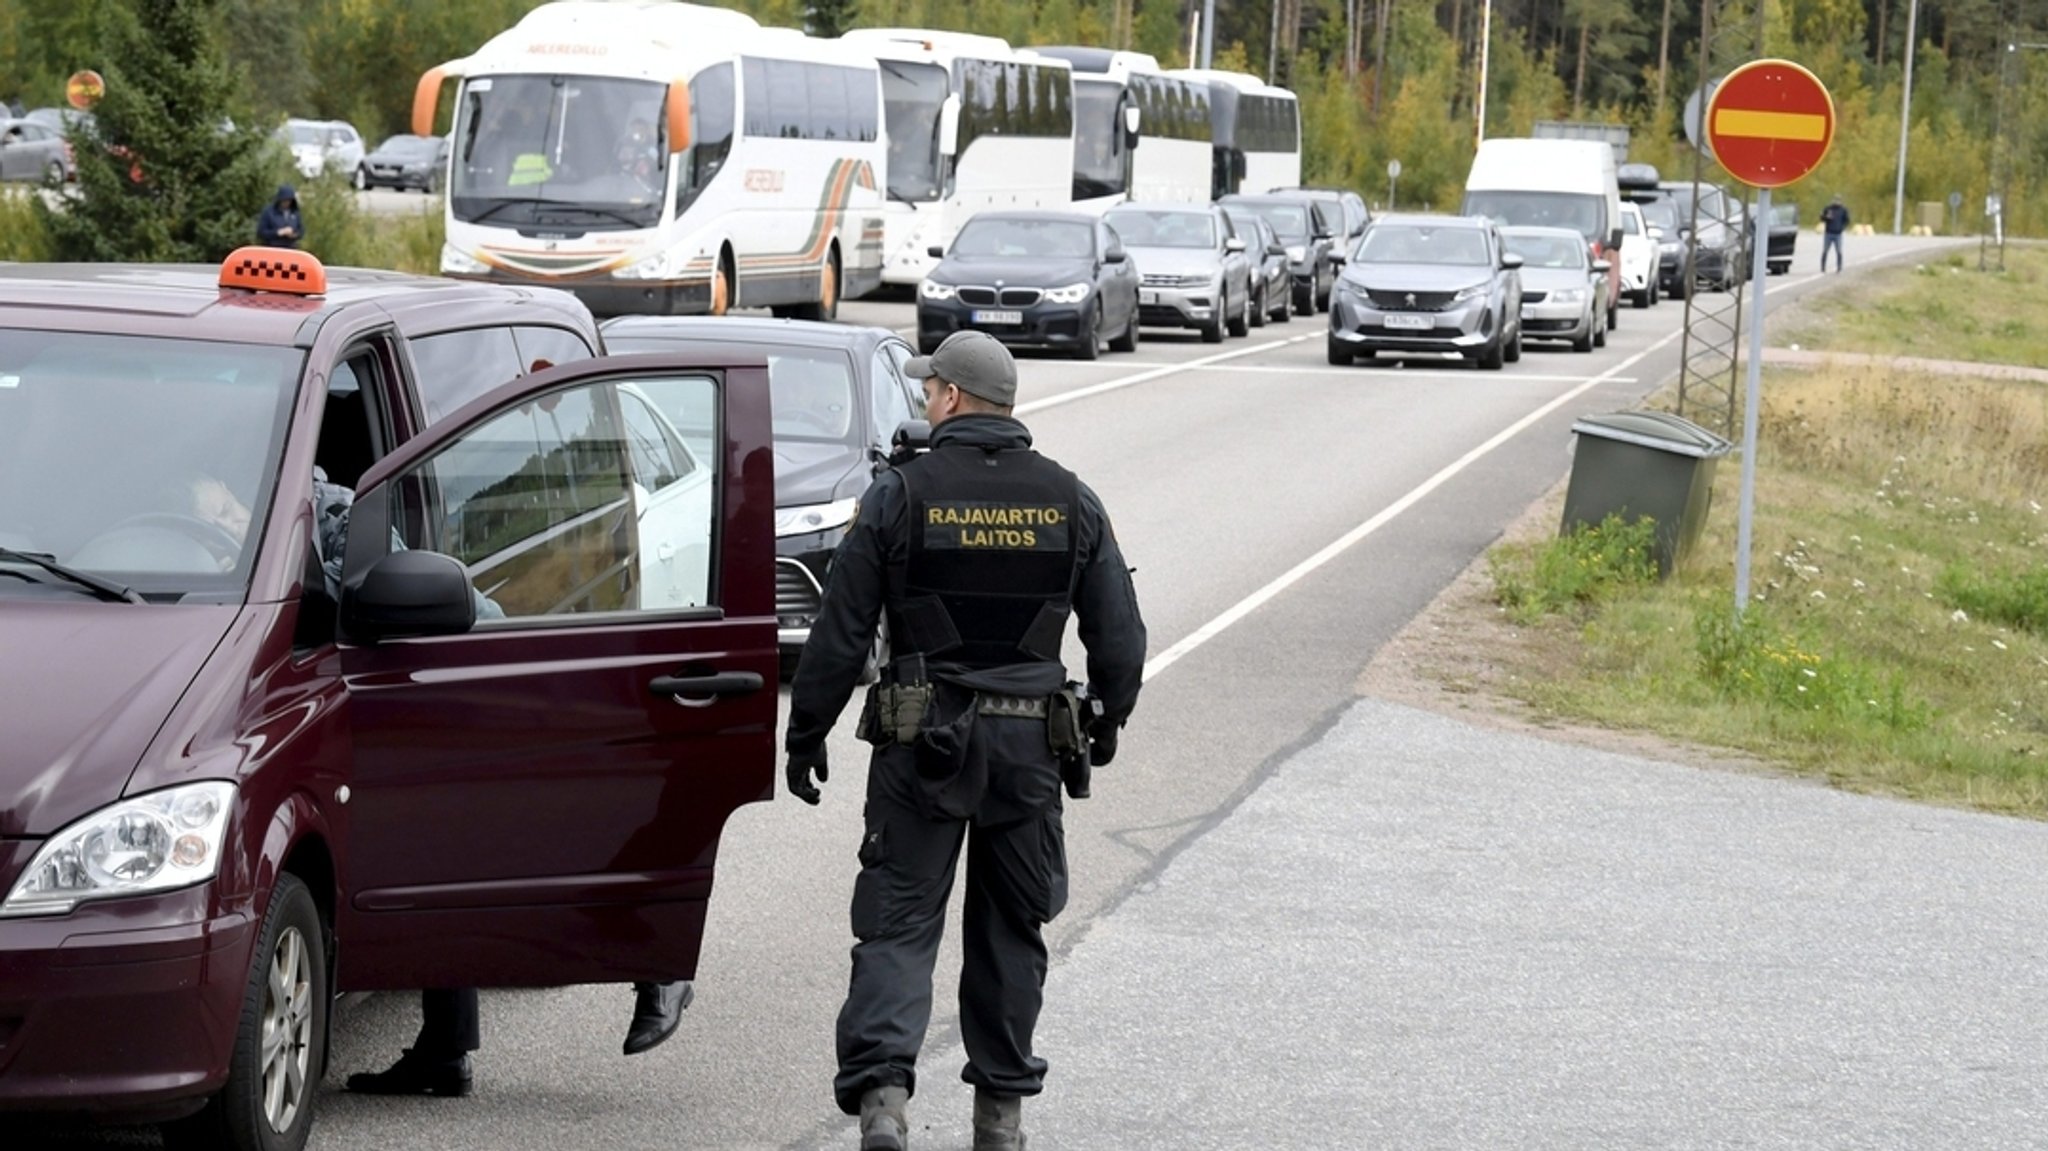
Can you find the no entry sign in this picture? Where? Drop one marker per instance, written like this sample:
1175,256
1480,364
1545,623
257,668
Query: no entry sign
1770,123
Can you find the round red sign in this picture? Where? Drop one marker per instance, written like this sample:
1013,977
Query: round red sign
84,89
1770,123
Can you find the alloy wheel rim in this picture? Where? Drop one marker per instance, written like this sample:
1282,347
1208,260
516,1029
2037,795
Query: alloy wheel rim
287,1035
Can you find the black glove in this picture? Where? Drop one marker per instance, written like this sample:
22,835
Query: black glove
801,764
1102,744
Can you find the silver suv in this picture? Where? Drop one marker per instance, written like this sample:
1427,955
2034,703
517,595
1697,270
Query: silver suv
1193,272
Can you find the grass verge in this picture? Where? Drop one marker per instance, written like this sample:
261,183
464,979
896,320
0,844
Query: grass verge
1899,638
1943,308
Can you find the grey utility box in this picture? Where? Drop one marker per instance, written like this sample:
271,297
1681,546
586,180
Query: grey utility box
1636,464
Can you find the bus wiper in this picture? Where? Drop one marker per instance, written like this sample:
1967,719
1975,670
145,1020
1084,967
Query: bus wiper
587,209
106,589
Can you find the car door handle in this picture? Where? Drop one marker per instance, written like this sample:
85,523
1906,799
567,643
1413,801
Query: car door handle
687,689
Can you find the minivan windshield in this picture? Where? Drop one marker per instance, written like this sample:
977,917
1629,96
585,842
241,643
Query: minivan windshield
1581,213
147,461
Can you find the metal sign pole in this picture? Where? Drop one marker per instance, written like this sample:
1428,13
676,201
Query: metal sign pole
1752,398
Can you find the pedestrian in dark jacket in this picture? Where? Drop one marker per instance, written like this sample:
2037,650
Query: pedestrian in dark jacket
1834,220
279,226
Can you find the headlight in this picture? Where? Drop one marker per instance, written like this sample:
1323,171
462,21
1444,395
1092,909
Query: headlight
157,842
458,262
660,266
933,290
1567,295
1297,253
814,517
1071,294
1471,293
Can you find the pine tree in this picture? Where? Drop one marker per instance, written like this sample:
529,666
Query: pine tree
160,175
830,17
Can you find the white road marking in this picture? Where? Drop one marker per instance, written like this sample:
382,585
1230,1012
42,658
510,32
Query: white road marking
1300,571
1147,376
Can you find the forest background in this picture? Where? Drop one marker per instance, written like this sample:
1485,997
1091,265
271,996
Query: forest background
1379,80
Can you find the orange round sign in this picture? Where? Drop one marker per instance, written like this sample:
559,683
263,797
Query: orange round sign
1770,123
84,89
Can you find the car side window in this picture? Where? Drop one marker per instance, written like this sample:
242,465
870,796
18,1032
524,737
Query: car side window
541,347
548,504
453,368
891,395
912,390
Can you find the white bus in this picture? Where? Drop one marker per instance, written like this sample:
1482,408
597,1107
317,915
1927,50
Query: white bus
1256,129
661,157
1166,158
972,124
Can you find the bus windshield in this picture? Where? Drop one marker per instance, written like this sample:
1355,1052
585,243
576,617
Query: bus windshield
584,151
1098,139
911,96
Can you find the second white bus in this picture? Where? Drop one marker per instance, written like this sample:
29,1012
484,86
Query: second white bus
1166,158
1256,129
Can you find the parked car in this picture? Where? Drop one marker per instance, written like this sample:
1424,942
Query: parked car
1784,237
60,120
1561,286
406,161
1660,215
464,764
325,146
1310,233
1269,264
1638,256
839,395
1192,267
34,152
1040,279
1344,208
1719,246
1429,284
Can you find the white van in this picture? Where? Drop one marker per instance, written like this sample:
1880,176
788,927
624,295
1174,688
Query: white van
1557,184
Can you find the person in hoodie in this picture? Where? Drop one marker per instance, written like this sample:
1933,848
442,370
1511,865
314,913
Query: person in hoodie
279,225
977,554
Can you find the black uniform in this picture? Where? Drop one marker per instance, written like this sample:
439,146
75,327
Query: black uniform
977,552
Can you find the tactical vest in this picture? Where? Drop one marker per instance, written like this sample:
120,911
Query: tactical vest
989,577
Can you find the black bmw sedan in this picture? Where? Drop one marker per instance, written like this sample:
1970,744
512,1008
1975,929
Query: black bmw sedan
838,394
1055,280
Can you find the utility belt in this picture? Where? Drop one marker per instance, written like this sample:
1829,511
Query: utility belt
898,713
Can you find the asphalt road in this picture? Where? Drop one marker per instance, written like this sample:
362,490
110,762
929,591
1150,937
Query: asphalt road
1302,921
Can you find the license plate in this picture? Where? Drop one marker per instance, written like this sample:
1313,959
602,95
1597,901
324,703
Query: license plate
998,317
1148,297
1411,323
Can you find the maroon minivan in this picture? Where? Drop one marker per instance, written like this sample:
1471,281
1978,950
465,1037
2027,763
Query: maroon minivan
487,735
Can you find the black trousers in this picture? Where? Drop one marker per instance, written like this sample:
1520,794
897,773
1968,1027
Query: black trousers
448,1023
1016,883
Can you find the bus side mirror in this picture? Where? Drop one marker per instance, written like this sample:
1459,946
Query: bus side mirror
949,126
426,98
1133,117
677,109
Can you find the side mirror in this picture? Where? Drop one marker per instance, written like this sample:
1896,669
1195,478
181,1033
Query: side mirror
1132,118
1656,233
677,108
409,593
935,252
1114,256
910,438
1602,267
1339,259
949,126
1275,250
1614,239
1510,260
1234,244
1322,235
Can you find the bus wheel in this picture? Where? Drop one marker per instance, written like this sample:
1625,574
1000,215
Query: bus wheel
721,288
827,307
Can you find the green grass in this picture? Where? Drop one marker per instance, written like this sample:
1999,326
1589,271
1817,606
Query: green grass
1898,641
1943,308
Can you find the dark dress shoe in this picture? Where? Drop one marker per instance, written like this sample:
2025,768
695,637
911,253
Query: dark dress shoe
415,1074
657,1012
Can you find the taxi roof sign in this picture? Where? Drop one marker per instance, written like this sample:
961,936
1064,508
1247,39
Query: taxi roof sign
1770,123
285,270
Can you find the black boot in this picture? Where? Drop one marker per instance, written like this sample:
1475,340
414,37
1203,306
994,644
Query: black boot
657,1011
416,1074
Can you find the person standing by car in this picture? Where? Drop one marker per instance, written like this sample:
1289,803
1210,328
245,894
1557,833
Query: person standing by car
976,553
1834,220
279,225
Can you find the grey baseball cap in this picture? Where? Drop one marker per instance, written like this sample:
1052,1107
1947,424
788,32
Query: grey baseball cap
975,362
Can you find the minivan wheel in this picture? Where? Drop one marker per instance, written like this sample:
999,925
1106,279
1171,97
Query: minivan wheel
274,1073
